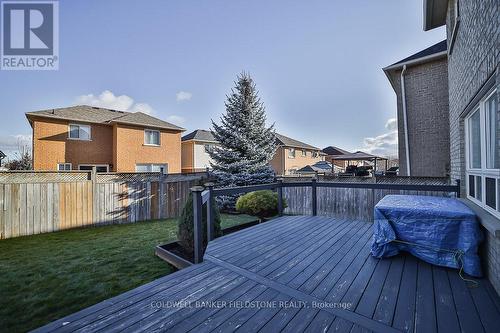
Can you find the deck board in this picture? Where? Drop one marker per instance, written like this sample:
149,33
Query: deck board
293,264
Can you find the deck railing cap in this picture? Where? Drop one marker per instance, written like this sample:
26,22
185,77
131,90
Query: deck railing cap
197,189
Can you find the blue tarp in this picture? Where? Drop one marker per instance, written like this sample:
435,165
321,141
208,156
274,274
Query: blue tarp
440,231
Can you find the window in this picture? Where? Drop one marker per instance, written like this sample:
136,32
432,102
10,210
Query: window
79,132
482,137
304,153
63,166
475,140
151,137
291,153
208,148
162,168
315,154
89,167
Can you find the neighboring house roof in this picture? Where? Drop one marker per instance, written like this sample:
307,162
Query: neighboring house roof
432,52
199,135
321,166
2,155
289,142
204,135
96,115
359,155
332,150
435,13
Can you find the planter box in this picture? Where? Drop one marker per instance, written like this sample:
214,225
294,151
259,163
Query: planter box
169,253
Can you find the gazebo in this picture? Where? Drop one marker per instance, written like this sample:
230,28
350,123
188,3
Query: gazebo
361,156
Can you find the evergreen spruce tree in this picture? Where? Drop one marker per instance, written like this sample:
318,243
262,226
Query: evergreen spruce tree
247,145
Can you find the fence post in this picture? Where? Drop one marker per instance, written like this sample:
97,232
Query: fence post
314,197
210,212
458,188
95,196
280,196
197,220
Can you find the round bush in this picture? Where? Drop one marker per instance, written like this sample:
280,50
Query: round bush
185,226
259,203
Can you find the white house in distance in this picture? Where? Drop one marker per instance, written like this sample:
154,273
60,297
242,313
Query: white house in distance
195,147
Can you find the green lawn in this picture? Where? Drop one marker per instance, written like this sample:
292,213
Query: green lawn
46,277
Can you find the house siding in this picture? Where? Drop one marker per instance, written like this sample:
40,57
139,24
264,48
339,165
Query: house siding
187,157
426,90
52,146
282,164
130,149
474,58
201,157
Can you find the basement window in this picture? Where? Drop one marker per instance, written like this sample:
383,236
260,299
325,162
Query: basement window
63,166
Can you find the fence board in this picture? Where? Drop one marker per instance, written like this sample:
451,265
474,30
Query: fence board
7,212
2,213
23,210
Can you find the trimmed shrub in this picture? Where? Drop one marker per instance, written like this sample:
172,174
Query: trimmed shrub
185,225
259,203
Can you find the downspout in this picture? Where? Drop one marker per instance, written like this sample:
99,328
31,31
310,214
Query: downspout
405,121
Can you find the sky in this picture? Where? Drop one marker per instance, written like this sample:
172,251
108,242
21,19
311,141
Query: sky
317,64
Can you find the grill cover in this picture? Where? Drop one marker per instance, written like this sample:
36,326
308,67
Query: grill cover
438,230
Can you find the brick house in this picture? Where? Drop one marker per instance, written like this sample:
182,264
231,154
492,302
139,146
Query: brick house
82,137
421,85
473,50
195,148
290,156
293,155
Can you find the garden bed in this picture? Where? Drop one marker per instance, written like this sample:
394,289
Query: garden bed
175,255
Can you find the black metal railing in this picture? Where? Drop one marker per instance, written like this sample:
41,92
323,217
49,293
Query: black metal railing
205,194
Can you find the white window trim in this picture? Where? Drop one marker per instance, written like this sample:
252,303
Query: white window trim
152,144
70,166
483,172
165,165
79,125
290,151
94,165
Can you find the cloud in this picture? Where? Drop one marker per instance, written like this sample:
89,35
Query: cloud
182,96
178,120
385,144
391,124
12,144
109,100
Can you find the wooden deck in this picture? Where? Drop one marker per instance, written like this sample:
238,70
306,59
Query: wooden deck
297,274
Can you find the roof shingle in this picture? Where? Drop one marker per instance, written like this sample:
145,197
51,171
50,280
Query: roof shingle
96,115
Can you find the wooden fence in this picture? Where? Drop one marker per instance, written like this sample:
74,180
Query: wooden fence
354,203
33,208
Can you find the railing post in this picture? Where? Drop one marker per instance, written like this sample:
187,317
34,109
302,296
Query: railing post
458,188
210,212
314,196
197,220
279,189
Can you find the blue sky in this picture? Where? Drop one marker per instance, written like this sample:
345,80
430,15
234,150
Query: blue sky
317,64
